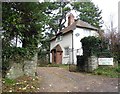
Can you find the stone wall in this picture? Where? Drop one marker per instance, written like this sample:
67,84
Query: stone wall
92,63
28,67
87,63
15,71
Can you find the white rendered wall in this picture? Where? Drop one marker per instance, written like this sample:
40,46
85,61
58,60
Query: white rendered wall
65,42
76,40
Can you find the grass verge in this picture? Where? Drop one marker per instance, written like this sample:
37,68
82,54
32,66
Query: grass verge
108,71
21,84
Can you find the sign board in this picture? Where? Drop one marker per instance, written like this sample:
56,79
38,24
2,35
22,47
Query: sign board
105,61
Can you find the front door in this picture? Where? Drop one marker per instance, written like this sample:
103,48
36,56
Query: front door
59,58
57,54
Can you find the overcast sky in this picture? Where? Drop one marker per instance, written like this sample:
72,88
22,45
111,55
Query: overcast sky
108,7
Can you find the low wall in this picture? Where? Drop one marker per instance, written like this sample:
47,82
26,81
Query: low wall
15,71
28,68
87,64
92,63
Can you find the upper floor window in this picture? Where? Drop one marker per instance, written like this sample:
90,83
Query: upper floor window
59,38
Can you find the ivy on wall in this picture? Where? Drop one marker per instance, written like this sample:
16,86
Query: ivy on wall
95,46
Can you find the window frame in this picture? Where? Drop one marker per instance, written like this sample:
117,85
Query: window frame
66,49
59,38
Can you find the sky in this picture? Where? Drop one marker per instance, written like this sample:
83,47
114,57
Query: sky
108,7
109,10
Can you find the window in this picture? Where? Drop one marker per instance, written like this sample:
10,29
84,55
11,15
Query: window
66,50
59,38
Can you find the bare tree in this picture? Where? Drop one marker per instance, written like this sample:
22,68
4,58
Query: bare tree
111,34
113,37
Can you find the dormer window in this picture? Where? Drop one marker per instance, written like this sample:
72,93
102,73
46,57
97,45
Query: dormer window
59,38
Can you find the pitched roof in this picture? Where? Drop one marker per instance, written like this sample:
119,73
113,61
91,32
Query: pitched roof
79,24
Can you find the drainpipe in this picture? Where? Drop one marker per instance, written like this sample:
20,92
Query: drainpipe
72,49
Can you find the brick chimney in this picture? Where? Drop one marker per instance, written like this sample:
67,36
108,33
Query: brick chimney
70,19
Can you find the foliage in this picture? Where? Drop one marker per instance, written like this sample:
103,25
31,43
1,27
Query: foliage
57,17
95,46
107,71
21,84
118,69
91,45
53,65
89,13
27,21
24,21
114,42
57,11
8,81
105,53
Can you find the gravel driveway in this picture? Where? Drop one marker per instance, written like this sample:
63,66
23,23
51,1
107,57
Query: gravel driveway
55,79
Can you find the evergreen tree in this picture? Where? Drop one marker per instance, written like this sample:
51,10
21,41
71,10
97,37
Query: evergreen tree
89,13
26,21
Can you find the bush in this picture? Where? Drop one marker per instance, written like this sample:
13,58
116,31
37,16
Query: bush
95,46
106,53
118,68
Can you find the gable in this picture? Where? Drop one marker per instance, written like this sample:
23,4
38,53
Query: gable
57,48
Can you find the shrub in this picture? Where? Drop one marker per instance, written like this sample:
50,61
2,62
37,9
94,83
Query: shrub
95,46
91,45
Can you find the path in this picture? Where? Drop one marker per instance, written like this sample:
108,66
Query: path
56,79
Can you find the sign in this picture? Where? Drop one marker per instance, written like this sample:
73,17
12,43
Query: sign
105,61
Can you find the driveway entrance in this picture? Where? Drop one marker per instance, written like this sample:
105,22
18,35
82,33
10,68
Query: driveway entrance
55,79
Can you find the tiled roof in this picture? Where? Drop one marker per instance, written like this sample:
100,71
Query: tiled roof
85,25
79,24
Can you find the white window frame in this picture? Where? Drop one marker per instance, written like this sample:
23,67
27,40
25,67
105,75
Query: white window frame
67,53
59,38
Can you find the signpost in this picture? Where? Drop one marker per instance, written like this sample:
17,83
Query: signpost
105,61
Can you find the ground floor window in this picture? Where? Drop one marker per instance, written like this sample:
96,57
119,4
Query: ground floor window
66,50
